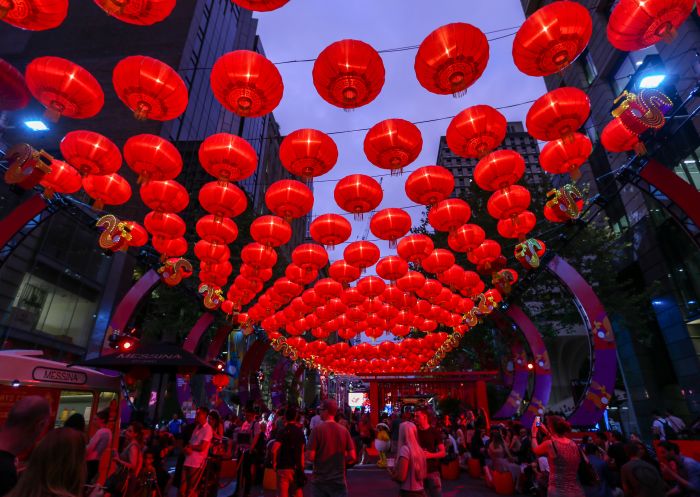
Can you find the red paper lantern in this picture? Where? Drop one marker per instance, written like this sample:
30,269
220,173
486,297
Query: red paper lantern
508,202
371,286
517,226
164,196
558,114
228,157
246,83
261,5
152,157
139,235
310,256
272,231
357,194
220,230
637,24
499,169
390,224
170,247
14,94
258,256
222,199
298,275
552,38
91,153
466,237
64,88
109,189
308,153
392,268
221,380
223,268
615,137
566,156
348,74
414,248
438,260
361,254
412,281
343,273
150,88
289,199
328,288
34,15
138,12
63,178
488,252
330,229
476,131
449,214
164,225
393,144
211,253
429,185
451,59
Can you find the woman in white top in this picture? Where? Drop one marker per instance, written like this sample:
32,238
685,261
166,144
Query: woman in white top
411,465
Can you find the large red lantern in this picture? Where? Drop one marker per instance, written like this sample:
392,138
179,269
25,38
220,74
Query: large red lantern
170,247
392,268
615,137
34,15
552,38
211,253
217,230
517,226
343,273
566,156
438,261
272,231
152,157
164,225
393,144
429,185
64,88
308,153
358,194
414,248
476,131
499,169
637,24
164,196
451,59
150,88
222,199
62,178
449,214
14,93
91,153
412,281
261,5
361,254
310,256
488,252
558,114
138,12
258,256
330,229
139,236
348,74
298,275
228,157
371,286
108,189
466,237
508,202
390,224
328,288
289,199
246,83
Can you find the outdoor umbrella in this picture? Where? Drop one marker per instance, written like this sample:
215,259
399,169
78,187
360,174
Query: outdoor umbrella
156,357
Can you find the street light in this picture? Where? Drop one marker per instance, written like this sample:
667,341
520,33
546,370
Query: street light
651,81
36,125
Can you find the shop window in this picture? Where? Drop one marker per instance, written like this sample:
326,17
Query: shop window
689,169
73,403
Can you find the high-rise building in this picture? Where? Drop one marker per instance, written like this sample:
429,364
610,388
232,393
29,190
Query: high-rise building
57,289
659,364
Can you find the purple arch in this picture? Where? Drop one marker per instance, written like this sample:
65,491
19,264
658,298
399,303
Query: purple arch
248,387
278,394
20,216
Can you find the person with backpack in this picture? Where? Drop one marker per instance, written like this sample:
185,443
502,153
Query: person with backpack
288,456
251,452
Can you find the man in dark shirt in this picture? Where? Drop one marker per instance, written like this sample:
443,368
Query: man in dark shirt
27,420
330,448
639,478
288,455
431,440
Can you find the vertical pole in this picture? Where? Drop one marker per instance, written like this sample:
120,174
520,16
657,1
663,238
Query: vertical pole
482,399
374,402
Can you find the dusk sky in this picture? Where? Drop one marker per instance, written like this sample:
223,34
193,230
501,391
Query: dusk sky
303,28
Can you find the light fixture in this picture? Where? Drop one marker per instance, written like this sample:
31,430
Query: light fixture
36,125
15,383
530,365
651,81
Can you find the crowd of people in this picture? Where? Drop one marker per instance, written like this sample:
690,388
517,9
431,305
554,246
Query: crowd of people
540,460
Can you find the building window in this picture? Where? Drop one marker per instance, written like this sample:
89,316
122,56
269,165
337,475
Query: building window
689,169
589,68
628,66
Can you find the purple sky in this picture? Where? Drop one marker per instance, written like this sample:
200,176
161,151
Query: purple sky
302,28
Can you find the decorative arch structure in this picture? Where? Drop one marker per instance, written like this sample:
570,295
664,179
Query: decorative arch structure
248,386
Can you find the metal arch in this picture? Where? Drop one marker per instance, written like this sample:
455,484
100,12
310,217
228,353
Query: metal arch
20,222
249,390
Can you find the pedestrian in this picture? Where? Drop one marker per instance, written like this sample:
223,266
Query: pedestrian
677,424
330,449
26,421
76,422
364,428
639,478
315,421
175,426
129,461
98,445
658,429
411,466
288,456
686,474
502,460
196,453
563,457
431,440
56,467
606,479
